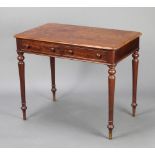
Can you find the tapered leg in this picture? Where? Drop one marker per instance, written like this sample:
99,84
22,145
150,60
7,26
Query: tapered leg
111,86
52,64
135,62
21,67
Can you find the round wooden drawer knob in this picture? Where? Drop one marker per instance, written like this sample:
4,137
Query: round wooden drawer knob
99,55
27,46
52,49
70,51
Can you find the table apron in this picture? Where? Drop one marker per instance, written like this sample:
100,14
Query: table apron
65,51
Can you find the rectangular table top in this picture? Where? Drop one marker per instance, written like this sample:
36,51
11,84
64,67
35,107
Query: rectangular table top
108,39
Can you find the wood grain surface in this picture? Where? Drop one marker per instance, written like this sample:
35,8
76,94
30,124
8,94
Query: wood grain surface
80,36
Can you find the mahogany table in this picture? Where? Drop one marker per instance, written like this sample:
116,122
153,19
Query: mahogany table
99,45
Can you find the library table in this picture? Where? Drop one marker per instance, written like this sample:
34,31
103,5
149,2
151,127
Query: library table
99,45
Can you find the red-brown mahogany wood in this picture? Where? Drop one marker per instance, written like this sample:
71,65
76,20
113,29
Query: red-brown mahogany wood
99,45
111,87
21,66
52,65
135,63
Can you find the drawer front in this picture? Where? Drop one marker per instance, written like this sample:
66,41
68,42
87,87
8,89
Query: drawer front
61,50
85,54
39,47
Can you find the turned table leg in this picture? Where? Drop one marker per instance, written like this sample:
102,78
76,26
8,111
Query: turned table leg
111,86
21,67
135,62
52,64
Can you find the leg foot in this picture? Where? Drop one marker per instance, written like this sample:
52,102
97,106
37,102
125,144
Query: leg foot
23,108
54,93
110,134
110,127
134,105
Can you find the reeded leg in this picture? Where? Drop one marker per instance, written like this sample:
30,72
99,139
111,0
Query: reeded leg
135,62
111,85
21,67
52,64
